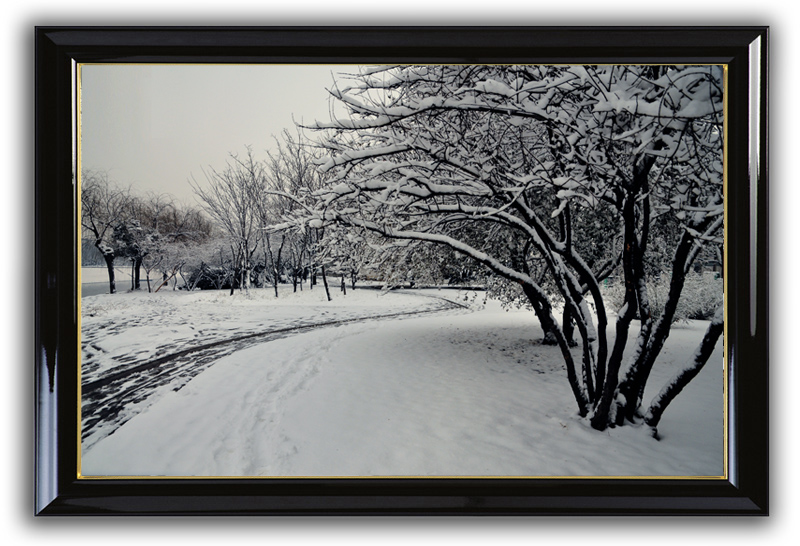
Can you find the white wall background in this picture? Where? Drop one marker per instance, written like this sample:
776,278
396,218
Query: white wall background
16,181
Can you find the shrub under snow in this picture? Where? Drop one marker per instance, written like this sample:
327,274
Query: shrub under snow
702,293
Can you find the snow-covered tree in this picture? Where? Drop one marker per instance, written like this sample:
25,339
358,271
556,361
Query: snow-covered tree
102,206
156,234
183,233
131,242
212,265
231,198
529,157
291,169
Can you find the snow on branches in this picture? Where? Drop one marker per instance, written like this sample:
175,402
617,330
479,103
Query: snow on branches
552,178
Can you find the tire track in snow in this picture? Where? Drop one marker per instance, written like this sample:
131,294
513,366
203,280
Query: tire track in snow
108,402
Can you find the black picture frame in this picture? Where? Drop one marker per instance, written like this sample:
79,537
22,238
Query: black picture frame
59,492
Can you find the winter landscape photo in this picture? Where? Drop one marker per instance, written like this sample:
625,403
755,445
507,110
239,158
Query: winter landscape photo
413,270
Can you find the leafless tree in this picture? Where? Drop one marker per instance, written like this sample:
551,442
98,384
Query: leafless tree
291,168
102,206
231,197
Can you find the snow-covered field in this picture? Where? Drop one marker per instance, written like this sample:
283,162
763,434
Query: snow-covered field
450,392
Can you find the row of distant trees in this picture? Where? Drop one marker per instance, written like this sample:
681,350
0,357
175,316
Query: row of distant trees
151,233
229,241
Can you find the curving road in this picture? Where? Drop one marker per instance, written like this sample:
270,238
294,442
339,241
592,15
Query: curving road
107,402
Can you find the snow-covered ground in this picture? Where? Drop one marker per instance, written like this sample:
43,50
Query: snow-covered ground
453,392
120,328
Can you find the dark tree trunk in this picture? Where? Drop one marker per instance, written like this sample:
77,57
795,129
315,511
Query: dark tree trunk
600,419
674,387
565,227
632,387
344,287
632,266
569,327
325,282
278,264
543,312
167,278
232,274
137,273
112,284
268,254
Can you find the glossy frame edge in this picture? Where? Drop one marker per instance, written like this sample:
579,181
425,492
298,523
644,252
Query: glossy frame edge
58,491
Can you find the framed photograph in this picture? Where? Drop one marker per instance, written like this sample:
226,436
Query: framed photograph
401,271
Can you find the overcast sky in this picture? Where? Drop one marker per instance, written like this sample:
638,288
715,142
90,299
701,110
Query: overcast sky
154,126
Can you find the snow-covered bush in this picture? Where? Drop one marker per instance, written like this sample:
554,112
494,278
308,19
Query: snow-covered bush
702,294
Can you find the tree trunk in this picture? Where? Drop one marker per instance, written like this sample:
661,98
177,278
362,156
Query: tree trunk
632,386
137,273
325,282
167,278
674,387
544,313
569,327
232,273
242,273
272,263
550,337
183,278
112,284
600,419
344,287
278,264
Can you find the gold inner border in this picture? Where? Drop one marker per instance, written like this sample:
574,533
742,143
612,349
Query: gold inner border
78,243
725,344
725,291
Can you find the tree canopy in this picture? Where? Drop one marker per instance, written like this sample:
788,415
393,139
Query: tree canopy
552,178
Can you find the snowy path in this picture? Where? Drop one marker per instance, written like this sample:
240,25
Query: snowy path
454,394
121,390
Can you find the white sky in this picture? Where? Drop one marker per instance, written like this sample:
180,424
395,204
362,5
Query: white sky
153,126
